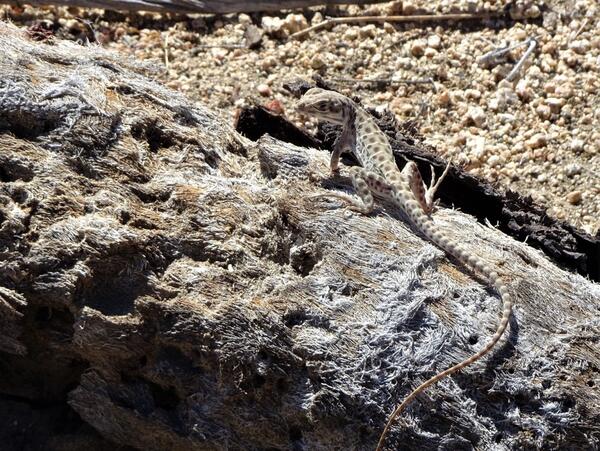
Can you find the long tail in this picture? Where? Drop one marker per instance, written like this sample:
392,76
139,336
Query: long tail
427,226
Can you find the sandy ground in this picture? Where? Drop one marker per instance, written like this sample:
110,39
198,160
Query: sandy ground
537,134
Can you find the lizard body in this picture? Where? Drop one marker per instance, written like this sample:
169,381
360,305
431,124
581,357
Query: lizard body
379,175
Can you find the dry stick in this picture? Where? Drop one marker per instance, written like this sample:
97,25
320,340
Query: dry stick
387,81
498,52
421,18
584,22
513,73
166,50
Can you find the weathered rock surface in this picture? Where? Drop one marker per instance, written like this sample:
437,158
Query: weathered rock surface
166,284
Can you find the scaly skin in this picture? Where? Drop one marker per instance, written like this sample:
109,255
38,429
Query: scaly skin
379,175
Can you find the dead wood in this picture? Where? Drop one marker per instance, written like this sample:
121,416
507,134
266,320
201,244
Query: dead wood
192,6
167,282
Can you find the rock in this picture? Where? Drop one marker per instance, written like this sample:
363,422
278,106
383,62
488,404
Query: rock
522,90
351,34
555,103
581,46
317,62
253,36
577,145
543,111
368,31
272,25
244,19
477,115
264,90
572,169
434,41
536,141
574,197
317,18
417,48
295,22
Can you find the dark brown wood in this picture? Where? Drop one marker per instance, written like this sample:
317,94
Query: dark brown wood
192,6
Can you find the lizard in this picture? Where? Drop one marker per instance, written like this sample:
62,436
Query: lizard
378,174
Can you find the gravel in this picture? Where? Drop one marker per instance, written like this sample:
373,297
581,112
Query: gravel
538,135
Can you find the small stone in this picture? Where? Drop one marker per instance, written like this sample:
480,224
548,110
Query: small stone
574,197
417,48
434,41
368,31
495,160
572,169
244,19
477,115
536,141
317,62
389,28
443,98
267,63
317,18
264,90
351,34
294,23
543,111
532,12
473,94
577,145
555,103
271,25
523,90
580,46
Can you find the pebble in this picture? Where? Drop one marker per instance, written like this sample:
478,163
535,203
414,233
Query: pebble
434,41
317,62
537,141
294,23
577,145
272,25
581,46
572,169
368,31
417,48
264,90
244,19
477,115
574,197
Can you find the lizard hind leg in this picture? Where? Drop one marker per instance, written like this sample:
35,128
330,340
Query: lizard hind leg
423,194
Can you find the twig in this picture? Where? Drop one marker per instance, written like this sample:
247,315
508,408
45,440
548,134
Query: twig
166,50
379,19
513,73
386,81
584,22
498,52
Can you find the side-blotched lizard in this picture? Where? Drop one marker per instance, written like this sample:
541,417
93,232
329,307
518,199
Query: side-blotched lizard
379,175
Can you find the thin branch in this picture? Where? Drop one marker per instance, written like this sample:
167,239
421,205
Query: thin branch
498,52
386,81
380,19
513,73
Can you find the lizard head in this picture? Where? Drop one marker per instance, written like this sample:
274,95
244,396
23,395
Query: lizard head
325,105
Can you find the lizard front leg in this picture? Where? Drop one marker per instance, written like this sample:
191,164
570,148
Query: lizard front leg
345,142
